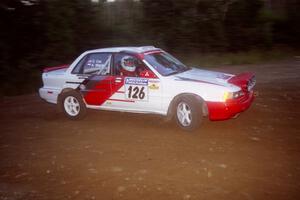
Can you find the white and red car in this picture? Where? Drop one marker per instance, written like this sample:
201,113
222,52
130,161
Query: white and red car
156,82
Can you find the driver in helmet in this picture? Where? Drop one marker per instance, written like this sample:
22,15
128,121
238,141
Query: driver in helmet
128,66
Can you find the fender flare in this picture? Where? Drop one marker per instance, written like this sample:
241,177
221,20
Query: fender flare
67,90
171,110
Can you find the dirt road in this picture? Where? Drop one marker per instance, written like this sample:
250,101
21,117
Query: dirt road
131,156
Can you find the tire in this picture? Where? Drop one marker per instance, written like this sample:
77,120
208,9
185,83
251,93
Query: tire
188,113
72,105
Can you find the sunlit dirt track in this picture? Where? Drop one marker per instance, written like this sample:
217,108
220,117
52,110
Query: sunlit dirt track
111,155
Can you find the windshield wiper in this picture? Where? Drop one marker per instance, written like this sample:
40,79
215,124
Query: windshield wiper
179,71
185,69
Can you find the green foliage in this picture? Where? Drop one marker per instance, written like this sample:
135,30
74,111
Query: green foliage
56,31
237,58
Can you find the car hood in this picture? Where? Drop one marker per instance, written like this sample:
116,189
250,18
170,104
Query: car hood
204,76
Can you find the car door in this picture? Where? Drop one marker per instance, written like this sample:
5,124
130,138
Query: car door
93,76
139,91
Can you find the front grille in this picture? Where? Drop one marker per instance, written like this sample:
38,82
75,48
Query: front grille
251,83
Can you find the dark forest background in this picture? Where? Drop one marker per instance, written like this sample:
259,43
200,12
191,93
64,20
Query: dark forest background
39,33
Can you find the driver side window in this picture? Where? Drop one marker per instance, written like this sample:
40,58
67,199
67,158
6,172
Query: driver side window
128,65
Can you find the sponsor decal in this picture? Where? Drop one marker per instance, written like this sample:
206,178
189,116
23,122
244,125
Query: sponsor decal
136,81
154,81
153,86
136,89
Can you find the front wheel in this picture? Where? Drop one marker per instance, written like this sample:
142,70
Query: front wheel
188,113
73,105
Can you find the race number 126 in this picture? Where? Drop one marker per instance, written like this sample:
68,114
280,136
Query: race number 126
136,92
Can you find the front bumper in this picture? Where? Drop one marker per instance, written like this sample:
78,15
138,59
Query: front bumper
229,109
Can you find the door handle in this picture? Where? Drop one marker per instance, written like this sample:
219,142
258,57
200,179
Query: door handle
118,80
83,77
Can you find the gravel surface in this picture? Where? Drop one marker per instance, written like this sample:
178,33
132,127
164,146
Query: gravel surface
111,155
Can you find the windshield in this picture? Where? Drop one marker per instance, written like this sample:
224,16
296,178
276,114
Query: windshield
165,64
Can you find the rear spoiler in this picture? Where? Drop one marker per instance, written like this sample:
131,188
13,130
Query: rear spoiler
49,69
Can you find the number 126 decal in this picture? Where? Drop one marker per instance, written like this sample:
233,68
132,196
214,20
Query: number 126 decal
136,92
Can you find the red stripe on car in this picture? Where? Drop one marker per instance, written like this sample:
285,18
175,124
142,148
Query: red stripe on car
49,69
103,90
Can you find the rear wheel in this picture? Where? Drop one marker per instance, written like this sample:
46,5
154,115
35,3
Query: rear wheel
72,105
188,113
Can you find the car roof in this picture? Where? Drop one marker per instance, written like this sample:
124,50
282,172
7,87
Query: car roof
140,49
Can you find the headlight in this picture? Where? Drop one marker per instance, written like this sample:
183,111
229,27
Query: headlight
227,95
232,95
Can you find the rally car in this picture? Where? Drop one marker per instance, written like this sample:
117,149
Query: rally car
146,80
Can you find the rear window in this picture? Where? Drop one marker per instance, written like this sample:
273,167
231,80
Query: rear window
96,63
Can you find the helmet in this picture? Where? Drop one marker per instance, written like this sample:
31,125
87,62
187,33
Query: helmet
128,63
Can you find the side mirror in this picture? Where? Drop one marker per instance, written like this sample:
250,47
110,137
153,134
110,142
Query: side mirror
147,74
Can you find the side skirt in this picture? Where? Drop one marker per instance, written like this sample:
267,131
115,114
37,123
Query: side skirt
125,110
